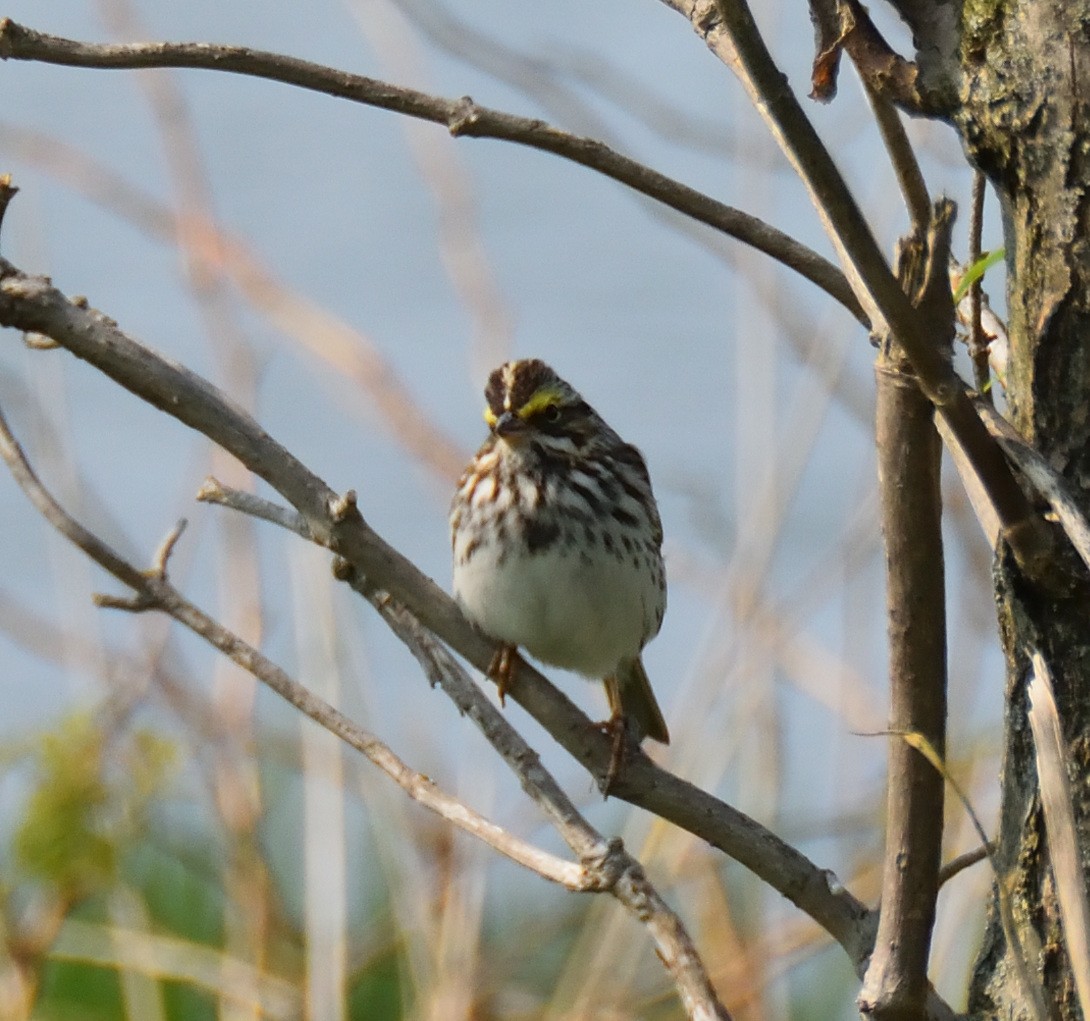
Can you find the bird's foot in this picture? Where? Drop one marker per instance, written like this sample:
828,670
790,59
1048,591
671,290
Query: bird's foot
502,668
615,728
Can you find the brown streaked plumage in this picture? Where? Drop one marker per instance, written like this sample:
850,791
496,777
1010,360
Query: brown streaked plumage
557,540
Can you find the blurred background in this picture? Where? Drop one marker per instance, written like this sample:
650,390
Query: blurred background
175,842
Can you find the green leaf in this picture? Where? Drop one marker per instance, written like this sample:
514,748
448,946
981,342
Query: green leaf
87,808
61,838
976,271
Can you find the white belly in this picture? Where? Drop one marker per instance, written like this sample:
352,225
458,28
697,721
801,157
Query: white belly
582,614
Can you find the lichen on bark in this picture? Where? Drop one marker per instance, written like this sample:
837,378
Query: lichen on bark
1025,94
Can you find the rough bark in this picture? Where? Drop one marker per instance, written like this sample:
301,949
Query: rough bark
1025,91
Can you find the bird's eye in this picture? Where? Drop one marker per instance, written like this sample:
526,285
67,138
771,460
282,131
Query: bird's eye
551,413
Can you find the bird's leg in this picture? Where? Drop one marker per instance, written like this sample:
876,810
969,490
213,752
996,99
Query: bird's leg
616,728
502,668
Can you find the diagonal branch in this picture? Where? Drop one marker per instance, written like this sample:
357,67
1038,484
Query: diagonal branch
603,866
152,591
728,28
903,158
462,117
607,865
32,303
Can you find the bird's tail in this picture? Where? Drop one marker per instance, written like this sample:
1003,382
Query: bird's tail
630,695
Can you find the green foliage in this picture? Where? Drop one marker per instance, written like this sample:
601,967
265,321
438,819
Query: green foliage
184,898
85,808
63,838
188,1003
977,270
70,989
375,991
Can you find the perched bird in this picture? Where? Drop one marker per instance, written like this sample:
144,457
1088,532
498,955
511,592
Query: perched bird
557,543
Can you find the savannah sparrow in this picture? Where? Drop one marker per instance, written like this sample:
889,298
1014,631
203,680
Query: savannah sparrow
557,540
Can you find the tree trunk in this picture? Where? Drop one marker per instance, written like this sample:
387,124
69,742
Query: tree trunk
1023,118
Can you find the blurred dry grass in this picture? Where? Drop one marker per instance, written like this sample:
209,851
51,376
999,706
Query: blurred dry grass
267,874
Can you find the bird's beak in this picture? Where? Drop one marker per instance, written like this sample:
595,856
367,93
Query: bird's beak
510,427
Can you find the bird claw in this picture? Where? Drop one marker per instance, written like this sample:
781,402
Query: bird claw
615,728
501,669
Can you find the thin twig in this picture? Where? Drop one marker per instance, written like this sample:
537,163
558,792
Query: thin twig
603,865
728,28
213,491
441,669
462,117
955,866
152,591
33,303
615,869
606,862
903,157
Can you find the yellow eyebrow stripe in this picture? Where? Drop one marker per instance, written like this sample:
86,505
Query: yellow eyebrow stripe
540,400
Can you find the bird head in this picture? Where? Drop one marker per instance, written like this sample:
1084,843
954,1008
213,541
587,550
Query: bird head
527,400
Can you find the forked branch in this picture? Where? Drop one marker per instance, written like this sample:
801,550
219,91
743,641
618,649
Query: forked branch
602,866
32,303
728,28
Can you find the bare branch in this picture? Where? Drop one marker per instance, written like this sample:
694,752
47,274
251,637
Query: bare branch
603,865
955,866
33,303
728,28
153,591
166,548
903,157
213,491
609,867
909,455
462,117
